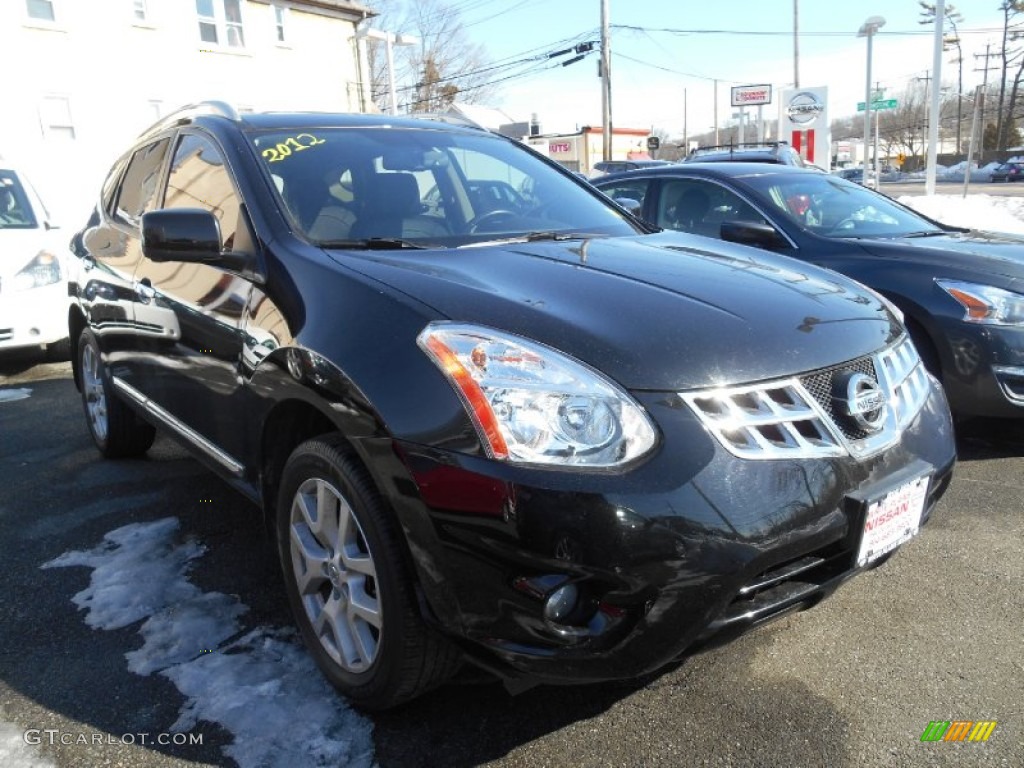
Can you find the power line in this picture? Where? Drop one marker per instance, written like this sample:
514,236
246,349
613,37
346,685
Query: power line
789,32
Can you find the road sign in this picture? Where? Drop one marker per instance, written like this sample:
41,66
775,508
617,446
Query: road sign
653,142
878,105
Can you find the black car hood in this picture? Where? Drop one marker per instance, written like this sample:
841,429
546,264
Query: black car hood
656,312
977,252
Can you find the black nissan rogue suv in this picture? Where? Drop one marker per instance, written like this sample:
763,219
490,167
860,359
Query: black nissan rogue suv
543,438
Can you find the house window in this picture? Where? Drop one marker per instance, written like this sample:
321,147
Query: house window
220,22
55,117
40,9
280,14
139,10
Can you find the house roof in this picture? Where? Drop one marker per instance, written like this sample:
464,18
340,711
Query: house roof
356,11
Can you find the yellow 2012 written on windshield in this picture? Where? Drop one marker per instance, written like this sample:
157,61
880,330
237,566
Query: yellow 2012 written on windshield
292,144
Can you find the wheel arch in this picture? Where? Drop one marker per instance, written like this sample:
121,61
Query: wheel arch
76,324
288,424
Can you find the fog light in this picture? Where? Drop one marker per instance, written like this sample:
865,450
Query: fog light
561,603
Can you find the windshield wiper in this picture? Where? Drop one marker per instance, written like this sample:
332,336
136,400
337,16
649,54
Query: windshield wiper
533,237
371,244
926,233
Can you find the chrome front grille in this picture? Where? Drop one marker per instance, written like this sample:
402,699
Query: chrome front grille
820,385
797,417
906,375
766,421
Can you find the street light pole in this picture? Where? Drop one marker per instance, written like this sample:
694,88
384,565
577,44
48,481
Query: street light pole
868,30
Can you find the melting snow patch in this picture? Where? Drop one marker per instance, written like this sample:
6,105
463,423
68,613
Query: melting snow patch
264,688
15,753
10,395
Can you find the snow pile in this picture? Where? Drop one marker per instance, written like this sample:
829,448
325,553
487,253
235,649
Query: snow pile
991,213
262,687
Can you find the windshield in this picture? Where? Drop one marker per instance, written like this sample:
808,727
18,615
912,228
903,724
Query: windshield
15,210
426,187
833,207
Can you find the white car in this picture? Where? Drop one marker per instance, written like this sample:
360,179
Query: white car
33,270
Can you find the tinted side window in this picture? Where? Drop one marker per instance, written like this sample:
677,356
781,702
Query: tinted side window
700,207
138,191
199,179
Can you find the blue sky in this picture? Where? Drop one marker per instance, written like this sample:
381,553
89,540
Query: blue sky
651,68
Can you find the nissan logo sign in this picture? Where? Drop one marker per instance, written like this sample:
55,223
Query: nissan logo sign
804,108
860,400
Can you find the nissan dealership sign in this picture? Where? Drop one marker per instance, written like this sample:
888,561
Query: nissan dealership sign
803,122
804,107
751,95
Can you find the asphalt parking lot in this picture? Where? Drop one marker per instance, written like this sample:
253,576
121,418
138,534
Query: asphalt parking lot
935,634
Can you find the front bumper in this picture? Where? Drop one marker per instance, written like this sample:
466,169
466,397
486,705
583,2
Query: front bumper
693,546
34,318
983,369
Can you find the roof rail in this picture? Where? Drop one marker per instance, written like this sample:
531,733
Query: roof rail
189,111
743,145
443,117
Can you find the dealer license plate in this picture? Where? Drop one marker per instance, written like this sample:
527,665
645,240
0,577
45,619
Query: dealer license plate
892,520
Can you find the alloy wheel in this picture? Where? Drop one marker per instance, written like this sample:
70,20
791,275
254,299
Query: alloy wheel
94,393
335,575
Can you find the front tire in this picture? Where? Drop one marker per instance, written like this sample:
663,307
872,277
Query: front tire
349,583
116,430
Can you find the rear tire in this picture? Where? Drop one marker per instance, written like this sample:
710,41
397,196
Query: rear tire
116,430
349,584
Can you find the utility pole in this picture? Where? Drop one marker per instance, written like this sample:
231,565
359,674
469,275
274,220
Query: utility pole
796,44
927,80
933,116
606,83
717,142
984,92
878,172
979,110
686,137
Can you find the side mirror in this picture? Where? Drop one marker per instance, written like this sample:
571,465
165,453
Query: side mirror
752,233
189,235
630,204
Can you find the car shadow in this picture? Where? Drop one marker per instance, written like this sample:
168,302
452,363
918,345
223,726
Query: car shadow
659,719
982,438
31,364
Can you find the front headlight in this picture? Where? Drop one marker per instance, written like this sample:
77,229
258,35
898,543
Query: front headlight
44,269
533,405
985,303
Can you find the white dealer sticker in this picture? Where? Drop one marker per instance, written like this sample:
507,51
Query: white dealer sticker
892,520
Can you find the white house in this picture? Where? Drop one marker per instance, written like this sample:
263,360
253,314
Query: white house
84,77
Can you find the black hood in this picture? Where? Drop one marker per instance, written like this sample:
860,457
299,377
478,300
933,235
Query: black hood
981,254
656,312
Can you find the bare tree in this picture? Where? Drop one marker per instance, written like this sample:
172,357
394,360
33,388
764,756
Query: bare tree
444,66
1010,58
903,128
